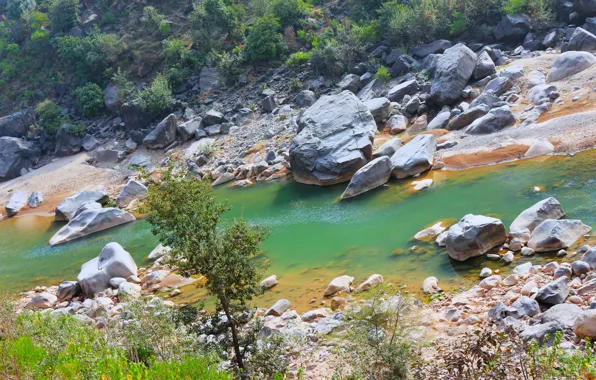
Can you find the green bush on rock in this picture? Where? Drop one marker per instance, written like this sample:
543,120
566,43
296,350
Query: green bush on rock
48,116
156,98
264,41
89,99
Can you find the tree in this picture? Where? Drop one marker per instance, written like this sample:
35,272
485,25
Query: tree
156,98
185,216
264,40
64,15
89,99
17,8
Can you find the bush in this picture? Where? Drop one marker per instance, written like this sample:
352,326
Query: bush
39,40
77,129
157,97
151,17
176,52
336,55
289,12
126,88
383,74
264,41
48,116
64,15
108,18
481,12
540,11
211,21
165,28
89,99
298,59
15,9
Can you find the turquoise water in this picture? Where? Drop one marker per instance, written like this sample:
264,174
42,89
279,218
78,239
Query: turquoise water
315,237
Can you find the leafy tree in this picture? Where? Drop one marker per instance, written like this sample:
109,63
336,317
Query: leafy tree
185,216
289,12
126,88
213,21
264,41
156,98
48,116
17,8
64,15
89,99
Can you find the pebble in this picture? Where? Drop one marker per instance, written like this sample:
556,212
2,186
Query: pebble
486,272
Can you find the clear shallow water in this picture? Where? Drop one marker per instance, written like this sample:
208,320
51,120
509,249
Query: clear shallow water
315,237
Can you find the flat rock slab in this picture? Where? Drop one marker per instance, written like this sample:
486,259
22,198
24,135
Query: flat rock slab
89,222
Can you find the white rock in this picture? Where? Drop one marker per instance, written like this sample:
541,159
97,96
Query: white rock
430,285
372,281
269,282
338,284
430,232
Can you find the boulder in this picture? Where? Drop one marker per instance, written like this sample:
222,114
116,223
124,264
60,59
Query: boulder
585,325
89,143
278,308
269,282
541,93
454,69
388,148
89,222
370,91
16,155
372,281
526,306
484,66
397,93
467,117
163,134
541,331
67,143
189,129
208,79
490,282
499,85
488,99
128,291
42,300
402,65
334,140
69,206
495,120
132,190
18,200
372,175
564,314
553,235
473,236
379,108
350,82
159,252
110,98
536,78
553,293
512,28
67,290
35,199
430,232
16,124
305,99
397,124
113,261
539,148
134,117
441,120
569,63
581,40
430,285
529,219
434,47
339,284
499,312
415,157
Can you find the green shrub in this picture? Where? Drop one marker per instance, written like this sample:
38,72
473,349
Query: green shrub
540,11
383,74
39,40
481,12
89,99
229,64
261,8
48,116
458,25
152,18
157,97
64,14
126,88
211,20
176,51
15,9
165,28
338,54
289,12
77,129
264,41
108,18
298,59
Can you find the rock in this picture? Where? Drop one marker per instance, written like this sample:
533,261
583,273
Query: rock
19,199
580,267
585,325
434,47
397,93
110,99
552,235
562,271
416,157
16,124
490,282
526,306
269,103
540,331
388,148
441,239
495,120
162,135
499,85
508,257
420,124
422,184
131,146
489,100
113,261
512,28
553,293
208,79
89,143
454,69
312,315
69,206
159,252
536,78
430,232
350,82
564,314
473,236
372,175
134,117
42,300
89,222
16,155
431,285
305,99
529,219
339,284
328,324
551,39
189,129
133,190
67,144
588,287
128,291
380,108
590,257
453,315
527,251
397,124
515,244
440,121
523,269
569,63
467,117
334,140
542,93
116,281
213,117
269,282
370,91
402,66
581,40
372,281
278,308
540,148
67,290
224,178
35,199
486,272
499,312
484,66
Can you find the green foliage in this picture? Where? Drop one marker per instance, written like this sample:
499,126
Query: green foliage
64,14
39,40
515,6
126,88
338,54
77,129
108,18
298,59
157,97
16,9
165,28
214,24
229,65
365,10
289,12
176,51
264,41
261,8
152,18
383,74
48,116
185,216
540,11
89,99
458,25
481,12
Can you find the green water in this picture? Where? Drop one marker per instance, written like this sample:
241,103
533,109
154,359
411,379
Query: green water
315,237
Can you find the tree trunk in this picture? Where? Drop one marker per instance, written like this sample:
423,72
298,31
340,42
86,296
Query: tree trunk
235,341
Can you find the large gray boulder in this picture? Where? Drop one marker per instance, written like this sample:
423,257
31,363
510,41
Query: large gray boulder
89,222
16,124
585,325
208,79
372,175
189,129
16,155
495,120
553,235
526,306
540,332
134,117
554,293
434,47
67,143
368,92
499,85
530,218
388,148
69,206
484,66
397,93
512,28
581,40
110,98
163,135
467,117
132,190
569,63
379,108
565,314
441,120
415,157
16,202
454,69
474,235
305,99
334,140
350,82
590,257
113,261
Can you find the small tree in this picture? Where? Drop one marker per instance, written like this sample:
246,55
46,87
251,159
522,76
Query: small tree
185,216
48,116
89,99
264,41
157,97
17,8
64,14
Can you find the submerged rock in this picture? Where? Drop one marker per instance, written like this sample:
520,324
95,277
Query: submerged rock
473,236
372,175
89,222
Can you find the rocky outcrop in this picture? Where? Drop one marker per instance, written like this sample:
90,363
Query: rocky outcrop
69,206
113,261
163,135
372,175
334,140
553,235
453,71
89,222
16,124
569,63
135,117
529,219
553,293
67,143
581,40
495,120
512,28
16,202
132,190
473,236
434,47
16,155
415,157
397,93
